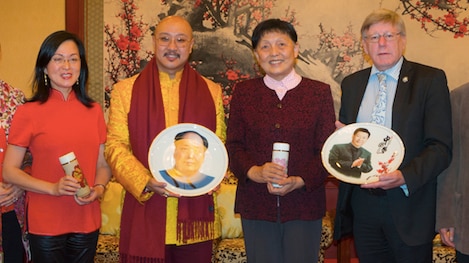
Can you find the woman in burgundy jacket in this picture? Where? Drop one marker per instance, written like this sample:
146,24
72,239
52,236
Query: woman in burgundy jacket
280,224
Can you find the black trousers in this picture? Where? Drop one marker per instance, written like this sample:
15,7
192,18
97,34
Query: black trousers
70,248
461,258
375,234
13,251
289,242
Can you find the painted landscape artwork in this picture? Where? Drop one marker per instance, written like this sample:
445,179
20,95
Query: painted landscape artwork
328,31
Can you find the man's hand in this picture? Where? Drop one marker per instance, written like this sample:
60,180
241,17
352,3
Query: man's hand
160,188
358,162
387,181
214,189
339,125
447,236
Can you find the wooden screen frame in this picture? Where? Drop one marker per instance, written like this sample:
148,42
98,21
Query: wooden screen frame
75,17
78,14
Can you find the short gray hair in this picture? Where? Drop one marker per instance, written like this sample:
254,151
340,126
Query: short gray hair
386,16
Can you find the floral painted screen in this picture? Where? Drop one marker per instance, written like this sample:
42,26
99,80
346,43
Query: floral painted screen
328,33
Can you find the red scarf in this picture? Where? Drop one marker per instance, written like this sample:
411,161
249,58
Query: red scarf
143,227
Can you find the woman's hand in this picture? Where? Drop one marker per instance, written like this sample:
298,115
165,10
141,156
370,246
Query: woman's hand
96,193
289,184
267,173
9,194
67,185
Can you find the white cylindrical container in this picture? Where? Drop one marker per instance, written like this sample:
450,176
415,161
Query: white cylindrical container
280,154
71,167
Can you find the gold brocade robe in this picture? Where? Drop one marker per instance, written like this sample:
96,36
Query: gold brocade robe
127,169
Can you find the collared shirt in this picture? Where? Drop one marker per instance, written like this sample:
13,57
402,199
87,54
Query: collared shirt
371,93
281,87
170,95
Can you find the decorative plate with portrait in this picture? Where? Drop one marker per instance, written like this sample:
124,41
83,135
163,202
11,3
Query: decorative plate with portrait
190,158
358,153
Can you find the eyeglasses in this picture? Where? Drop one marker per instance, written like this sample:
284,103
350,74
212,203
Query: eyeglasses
387,36
60,60
180,42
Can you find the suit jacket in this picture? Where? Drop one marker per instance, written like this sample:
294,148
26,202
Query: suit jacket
305,119
453,184
203,181
342,156
422,118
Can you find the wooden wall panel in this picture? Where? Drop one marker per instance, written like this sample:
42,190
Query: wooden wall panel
75,17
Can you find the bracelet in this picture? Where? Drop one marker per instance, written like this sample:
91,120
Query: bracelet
146,190
104,187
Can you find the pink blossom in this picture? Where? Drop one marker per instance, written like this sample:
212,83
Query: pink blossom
123,42
463,29
269,5
257,15
226,99
336,42
135,31
245,76
134,46
450,20
348,41
231,74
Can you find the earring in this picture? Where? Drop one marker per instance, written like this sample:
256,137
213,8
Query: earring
45,79
78,82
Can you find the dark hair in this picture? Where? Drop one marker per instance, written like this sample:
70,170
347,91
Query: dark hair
272,25
41,92
362,130
180,136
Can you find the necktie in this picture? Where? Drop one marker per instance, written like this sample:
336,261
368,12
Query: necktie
378,115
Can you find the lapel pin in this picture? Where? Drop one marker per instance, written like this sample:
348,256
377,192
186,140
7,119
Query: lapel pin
405,79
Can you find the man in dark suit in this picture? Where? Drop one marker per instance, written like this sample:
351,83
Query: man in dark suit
393,220
352,159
